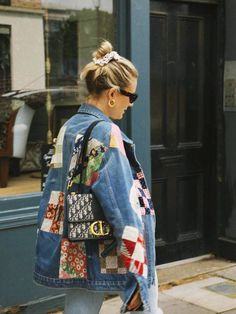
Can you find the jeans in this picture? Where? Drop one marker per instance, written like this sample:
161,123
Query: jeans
81,301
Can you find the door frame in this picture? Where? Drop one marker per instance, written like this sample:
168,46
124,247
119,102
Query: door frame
224,247
220,130
217,245
134,16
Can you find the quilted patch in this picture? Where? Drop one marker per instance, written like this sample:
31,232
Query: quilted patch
73,163
73,262
134,200
95,154
111,264
92,164
144,196
54,214
57,158
75,152
133,251
116,140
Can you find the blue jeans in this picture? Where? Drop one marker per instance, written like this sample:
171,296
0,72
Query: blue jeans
81,301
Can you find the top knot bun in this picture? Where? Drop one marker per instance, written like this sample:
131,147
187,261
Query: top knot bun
105,47
100,74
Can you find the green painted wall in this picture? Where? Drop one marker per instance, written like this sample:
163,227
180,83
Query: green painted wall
18,218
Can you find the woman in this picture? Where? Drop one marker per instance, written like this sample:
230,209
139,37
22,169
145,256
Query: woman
117,180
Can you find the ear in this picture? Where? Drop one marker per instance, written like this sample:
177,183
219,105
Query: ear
111,93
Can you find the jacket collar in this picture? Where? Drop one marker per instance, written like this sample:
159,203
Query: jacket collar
90,109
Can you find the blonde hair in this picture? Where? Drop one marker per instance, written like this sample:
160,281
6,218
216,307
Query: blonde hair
116,73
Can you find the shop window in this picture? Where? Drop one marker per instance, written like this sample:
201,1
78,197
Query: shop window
43,90
5,63
5,2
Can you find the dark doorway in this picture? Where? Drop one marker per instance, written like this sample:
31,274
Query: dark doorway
183,126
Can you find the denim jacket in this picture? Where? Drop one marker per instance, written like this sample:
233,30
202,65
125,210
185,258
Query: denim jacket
116,177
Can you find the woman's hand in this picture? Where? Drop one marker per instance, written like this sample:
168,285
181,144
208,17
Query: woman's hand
135,302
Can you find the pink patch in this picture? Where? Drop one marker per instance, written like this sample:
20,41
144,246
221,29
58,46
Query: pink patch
116,139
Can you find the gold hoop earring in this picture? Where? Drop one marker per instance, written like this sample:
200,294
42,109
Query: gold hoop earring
112,103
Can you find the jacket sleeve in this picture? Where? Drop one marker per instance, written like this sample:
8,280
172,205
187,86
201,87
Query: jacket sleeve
116,192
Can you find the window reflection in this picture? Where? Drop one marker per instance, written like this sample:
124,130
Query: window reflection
5,70
43,46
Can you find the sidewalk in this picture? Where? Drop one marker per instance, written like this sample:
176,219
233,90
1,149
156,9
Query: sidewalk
206,286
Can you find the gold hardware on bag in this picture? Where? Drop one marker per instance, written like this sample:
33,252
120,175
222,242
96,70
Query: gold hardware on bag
101,231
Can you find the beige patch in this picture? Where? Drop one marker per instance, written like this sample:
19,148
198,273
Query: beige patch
57,158
111,264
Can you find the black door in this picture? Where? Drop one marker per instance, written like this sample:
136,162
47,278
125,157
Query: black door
183,115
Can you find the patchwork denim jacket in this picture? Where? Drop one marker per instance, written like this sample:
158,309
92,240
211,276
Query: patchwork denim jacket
117,179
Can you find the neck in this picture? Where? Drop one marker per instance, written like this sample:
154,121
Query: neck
98,103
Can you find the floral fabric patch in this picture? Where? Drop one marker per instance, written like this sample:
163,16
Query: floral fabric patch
111,264
54,214
144,196
95,154
116,140
133,251
92,163
73,261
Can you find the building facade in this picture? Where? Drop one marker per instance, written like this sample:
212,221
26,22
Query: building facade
182,124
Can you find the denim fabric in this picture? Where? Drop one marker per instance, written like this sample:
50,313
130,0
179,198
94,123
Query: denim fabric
117,180
78,301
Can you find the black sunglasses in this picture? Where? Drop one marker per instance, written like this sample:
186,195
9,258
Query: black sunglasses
132,97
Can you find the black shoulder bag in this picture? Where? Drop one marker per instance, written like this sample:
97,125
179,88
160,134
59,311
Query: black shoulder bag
86,220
